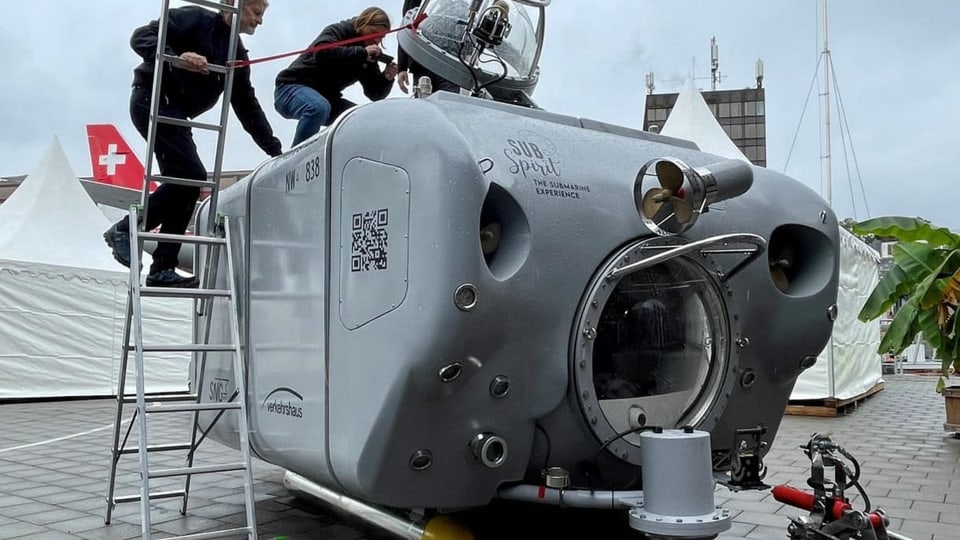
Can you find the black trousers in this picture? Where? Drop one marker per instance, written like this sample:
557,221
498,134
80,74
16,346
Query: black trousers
171,206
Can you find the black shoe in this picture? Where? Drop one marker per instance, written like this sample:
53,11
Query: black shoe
169,278
119,242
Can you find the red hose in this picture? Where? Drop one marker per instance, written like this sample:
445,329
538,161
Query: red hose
804,500
324,46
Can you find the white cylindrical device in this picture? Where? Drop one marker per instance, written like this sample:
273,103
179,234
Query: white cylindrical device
678,486
677,476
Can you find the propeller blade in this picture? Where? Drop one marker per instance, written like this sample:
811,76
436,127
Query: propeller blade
682,210
669,175
490,238
653,202
779,277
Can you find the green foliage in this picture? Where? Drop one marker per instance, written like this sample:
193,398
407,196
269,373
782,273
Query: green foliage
913,262
907,229
926,272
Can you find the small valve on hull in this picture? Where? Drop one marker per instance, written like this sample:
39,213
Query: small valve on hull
489,449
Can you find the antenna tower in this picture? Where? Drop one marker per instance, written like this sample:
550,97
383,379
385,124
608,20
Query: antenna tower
714,63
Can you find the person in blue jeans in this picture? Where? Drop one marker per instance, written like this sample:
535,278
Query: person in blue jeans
310,90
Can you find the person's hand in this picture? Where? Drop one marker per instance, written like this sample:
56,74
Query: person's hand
402,81
373,51
390,72
274,149
194,62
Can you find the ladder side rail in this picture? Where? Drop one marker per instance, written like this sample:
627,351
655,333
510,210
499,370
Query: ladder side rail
203,308
239,367
141,385
158,68
224,113
117,446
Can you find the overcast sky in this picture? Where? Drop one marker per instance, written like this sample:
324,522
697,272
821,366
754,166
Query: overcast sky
67,63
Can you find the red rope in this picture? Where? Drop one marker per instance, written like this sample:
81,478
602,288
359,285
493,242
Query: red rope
324,46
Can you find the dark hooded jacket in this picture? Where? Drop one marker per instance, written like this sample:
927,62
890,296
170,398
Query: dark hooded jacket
330,71
198,30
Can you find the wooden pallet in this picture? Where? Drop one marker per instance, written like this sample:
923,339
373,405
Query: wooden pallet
829,407
951,400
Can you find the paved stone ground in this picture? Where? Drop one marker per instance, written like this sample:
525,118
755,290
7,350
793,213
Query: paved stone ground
54,462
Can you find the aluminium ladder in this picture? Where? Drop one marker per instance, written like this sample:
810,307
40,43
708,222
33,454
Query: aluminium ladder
218,247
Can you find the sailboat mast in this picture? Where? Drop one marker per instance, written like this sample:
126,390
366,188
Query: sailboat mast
827,168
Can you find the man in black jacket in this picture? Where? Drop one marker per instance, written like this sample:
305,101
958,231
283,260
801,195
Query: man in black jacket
406,64
199,37
311,89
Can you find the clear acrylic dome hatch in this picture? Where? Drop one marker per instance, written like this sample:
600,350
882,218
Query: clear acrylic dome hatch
446,44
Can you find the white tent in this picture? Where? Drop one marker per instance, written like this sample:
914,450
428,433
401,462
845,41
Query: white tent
692,120
853,366
63,297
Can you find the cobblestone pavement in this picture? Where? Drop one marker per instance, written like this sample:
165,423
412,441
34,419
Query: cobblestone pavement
54,463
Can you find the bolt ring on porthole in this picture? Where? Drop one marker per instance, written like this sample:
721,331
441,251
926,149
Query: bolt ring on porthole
657,338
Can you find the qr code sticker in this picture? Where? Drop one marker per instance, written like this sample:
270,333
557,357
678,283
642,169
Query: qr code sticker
368,250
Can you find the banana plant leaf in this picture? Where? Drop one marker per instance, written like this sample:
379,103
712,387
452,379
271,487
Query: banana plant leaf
955,329
914,261
899,335
951,290
930,329
907,229
926,272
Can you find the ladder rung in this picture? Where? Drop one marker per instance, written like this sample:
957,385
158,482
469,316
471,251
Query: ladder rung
187,123
189,347
182,238
153,496
174,292
213,5
205,469
213,534
176,61
184,181
157,448
218,406
160,398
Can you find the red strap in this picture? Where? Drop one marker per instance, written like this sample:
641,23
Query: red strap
324,46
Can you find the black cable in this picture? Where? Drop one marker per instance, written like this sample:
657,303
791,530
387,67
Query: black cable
498,79
473,75
546,438
855,477
866,500
620,436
